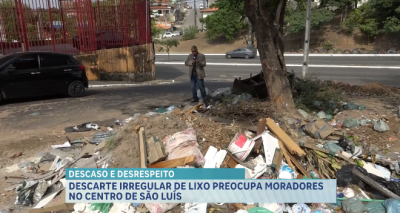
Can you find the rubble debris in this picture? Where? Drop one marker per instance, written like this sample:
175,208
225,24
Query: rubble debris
82,128
189,160
101,136
40,190
25,192
155,149
318,128
270,144
183,144
143,148
303,113
284,138
374,184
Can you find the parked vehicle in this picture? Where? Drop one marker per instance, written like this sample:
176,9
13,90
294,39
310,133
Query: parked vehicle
201,6
41,73
242,53
167,35
105,40
175,34
180,32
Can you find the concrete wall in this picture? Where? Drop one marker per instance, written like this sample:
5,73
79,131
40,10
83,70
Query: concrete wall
120,64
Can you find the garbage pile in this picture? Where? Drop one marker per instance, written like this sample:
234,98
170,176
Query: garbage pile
317,146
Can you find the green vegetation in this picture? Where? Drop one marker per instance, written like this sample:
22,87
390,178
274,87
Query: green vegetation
227,21
375,17
295,18
189,33
166,45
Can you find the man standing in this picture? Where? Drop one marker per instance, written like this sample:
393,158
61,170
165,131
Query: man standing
196,62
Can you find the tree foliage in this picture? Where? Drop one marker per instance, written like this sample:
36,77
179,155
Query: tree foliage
166,45
227,21
189,33
375,17
295,19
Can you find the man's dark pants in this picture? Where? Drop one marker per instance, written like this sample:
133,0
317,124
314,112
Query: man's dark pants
196,82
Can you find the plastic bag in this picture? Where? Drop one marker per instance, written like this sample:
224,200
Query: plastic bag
381,126
160,207
350,106
183,144
321,114
102,207
40,191
303,113
332,147
25,192
351,122
221,91
375,207
259,210
353,205
392,205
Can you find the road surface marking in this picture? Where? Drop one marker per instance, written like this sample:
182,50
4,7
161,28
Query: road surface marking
288,65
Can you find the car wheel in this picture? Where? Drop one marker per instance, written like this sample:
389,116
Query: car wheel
228,56
246,56
76,89
1,97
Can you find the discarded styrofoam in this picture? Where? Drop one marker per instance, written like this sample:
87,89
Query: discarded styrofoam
270,144
220,157
261,167
209,157
195,207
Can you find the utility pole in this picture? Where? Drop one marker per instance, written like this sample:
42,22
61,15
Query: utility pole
307,40
195,14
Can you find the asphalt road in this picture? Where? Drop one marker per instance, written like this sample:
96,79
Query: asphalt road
356,76
313,60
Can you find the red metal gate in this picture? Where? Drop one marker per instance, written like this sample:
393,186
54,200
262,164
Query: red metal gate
72,26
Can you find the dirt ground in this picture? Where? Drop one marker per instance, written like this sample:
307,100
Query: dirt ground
293,43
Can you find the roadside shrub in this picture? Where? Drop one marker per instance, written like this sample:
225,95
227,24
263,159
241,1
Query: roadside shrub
189,33
328,45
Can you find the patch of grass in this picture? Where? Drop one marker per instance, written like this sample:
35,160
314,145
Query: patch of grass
110,143
307,91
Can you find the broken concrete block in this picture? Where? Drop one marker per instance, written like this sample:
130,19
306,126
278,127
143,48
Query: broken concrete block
155,149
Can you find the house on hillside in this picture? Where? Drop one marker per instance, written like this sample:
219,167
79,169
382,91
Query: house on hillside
206,12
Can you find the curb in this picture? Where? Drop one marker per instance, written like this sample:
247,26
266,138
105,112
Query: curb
296,55
289,65
130,85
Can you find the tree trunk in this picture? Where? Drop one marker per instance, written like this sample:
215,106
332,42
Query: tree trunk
266,16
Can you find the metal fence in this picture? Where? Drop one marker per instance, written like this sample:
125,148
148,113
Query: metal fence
73,26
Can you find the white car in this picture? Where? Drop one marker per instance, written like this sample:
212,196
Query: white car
167,35
175,34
